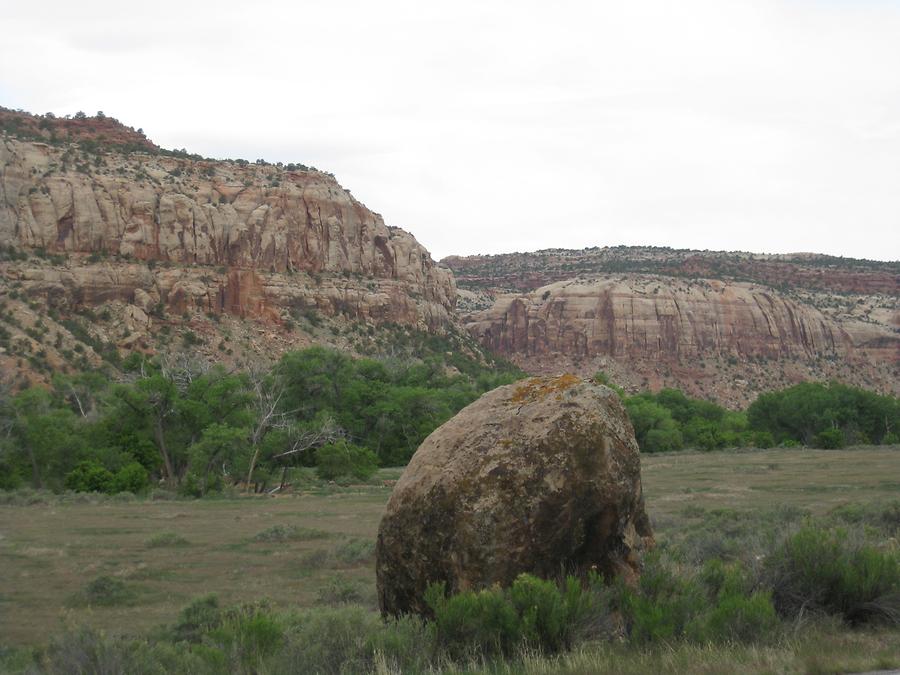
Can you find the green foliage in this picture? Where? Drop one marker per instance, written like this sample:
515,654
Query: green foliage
824,416
340,459
654,426
386,406
105,591
347,639
806,411
714,605
130,478
829,439
246,635
818,569
89,476
355,551
532,612
197,618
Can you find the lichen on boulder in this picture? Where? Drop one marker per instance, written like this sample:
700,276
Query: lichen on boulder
542,476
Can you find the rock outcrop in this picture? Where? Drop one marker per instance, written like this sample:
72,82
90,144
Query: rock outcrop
251,240
542,477
719,338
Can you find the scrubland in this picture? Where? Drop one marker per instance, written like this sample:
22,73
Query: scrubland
256,584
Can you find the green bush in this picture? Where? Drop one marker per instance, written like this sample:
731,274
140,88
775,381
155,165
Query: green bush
89,476
830,439
106,591
355,551
474,622
663,605
345,459
198,618
823,570
130,478
340,591
715,605
346,639
531,613
738,618
90,651
247,635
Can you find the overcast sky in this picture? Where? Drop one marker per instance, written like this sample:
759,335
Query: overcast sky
486,127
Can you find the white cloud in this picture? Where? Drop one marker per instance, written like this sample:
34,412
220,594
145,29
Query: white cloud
494,126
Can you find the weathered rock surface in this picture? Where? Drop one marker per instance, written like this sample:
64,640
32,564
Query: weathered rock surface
542,477
265,235
727,340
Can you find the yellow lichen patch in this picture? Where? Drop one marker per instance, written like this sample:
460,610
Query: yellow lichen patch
539,387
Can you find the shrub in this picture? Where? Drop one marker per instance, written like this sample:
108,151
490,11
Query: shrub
197,618
130,478
822,570
247,634
91,651
89,476
736,613
333,641
355,551
345,459
531,613
473,622
715,605
339,591
663,605
830,439
106,591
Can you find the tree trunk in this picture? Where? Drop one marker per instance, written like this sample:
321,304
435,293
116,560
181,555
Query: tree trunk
160,436
252,465
35,470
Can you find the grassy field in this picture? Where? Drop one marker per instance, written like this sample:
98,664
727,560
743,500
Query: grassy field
303,550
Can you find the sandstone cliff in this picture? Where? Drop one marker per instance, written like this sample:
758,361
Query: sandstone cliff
92,214
261,224
718,338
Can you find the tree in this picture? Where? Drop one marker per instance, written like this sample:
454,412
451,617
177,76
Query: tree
220,445
339,459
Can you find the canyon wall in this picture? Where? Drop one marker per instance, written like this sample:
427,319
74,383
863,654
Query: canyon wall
718,338
246,239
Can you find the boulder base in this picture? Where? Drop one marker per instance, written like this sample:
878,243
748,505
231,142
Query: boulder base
542,476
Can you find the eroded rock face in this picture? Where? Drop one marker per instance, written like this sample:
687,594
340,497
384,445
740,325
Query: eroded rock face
542,477
249,240
725,340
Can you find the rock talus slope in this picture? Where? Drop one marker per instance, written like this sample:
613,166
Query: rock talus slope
542,477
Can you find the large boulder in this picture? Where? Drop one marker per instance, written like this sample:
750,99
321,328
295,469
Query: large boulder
543,476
